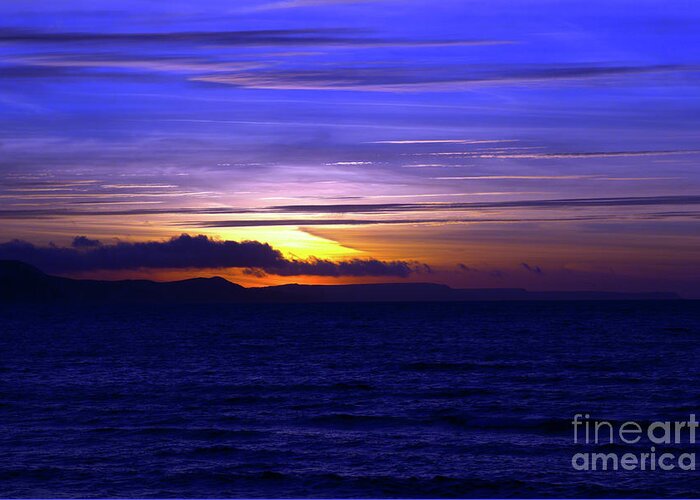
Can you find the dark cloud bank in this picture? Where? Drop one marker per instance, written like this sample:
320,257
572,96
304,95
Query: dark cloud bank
188,252
247,38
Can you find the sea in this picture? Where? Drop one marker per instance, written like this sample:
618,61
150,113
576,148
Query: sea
357,400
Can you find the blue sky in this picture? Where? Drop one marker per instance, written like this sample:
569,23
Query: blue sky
467,137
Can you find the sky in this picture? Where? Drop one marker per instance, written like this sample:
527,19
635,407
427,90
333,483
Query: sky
542,144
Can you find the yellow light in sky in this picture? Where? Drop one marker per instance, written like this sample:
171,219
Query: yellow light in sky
290,240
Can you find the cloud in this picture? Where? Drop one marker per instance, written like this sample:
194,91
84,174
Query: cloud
161,63
354,267
85,242
21,71
392,209
187,252
368,222
549,178
305,222
437,78
531,268
294,4
21,213
493,273
334,37
445,141
248,37
130,55
560,156
552,203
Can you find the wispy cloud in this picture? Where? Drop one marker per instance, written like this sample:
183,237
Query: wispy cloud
294,4
532,268
444,141
443,78
332,37
561,156
374,222
358,208
161,63
549,178
547,203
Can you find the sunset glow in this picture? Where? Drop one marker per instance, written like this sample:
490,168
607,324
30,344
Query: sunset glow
553,150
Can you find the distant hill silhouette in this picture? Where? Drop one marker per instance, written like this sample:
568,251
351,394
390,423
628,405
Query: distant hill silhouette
24,283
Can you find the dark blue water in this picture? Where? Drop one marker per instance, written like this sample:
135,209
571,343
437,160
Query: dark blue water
336,400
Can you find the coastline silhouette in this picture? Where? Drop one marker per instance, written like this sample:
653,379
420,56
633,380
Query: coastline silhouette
22,282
